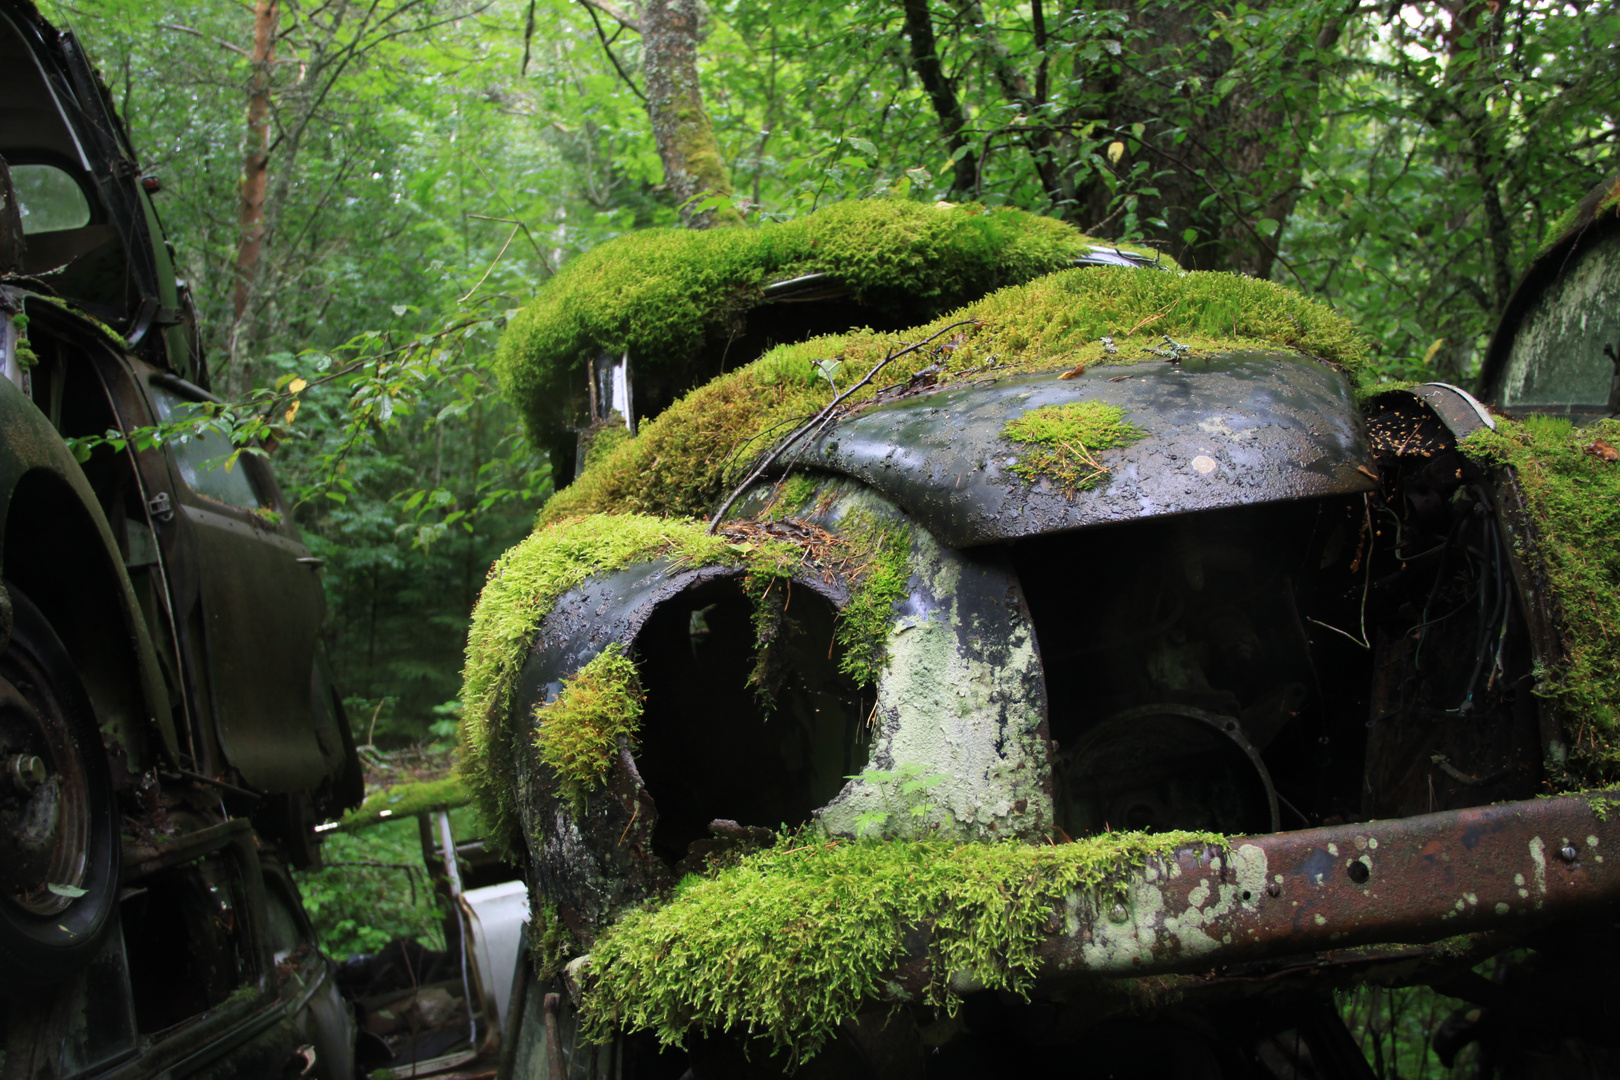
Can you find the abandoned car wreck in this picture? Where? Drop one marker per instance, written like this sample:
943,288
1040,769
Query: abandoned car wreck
915,683
169,734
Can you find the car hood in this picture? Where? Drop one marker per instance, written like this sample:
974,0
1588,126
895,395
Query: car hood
1223,430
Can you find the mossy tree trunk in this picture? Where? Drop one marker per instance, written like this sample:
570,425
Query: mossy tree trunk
693,166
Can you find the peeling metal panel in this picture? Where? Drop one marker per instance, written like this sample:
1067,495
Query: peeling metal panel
1460,411
961,702
1232,429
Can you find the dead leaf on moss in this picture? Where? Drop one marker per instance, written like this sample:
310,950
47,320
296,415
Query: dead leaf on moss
1602,450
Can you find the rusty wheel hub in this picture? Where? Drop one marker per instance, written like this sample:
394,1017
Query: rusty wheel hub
44,810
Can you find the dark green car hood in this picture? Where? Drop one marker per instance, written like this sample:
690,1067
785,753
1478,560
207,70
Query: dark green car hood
1224,430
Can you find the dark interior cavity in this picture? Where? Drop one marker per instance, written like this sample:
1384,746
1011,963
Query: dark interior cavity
732,732
1347,644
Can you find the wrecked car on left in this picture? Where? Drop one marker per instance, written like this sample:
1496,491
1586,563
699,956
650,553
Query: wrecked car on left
168,730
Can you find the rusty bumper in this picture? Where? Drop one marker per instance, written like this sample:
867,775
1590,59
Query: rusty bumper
1422,879
1412,880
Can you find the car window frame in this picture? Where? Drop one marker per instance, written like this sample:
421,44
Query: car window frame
258,473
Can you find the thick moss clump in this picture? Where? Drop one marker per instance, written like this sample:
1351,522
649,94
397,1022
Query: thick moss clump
579,731
683,460
404,800
1065,440
790,941
523,586
661,294
602,438
1572,487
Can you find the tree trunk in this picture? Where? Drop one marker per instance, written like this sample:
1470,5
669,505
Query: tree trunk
255,181
952,117
693,167
1237,160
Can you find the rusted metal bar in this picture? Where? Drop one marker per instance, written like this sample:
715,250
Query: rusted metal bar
1501,869
1411,880
556,1067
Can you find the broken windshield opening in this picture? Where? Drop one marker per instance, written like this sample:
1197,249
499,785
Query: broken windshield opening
49,199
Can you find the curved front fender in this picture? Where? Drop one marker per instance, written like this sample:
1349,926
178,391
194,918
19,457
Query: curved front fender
56,545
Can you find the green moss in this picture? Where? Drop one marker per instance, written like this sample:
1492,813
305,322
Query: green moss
792,493
1600,203
405,800
1601,804
684,460
790,941
523,586
578,732
1610,203
1065,440
551,944
880,578
1560,225
661,294
1574,500
602,438
79,313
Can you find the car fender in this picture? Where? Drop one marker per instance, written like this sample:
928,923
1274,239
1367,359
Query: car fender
55,543
958,706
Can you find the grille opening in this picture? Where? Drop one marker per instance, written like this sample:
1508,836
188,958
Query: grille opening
1251,619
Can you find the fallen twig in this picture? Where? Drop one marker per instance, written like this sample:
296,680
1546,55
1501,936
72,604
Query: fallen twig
781,447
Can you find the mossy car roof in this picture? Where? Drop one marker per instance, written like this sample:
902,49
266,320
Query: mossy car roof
659,294
682,460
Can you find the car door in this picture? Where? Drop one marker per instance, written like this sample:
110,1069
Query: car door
248,596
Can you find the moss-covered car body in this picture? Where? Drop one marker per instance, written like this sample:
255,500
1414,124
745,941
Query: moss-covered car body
1096,660
168,732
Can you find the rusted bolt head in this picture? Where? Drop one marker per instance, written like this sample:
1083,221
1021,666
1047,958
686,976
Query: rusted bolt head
1117,913
1569,853
26,772
1274,889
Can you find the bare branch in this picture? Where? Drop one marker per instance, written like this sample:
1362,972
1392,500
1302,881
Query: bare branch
237,49
614,12
607,48
816,421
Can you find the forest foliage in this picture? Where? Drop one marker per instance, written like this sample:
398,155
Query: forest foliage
428,164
